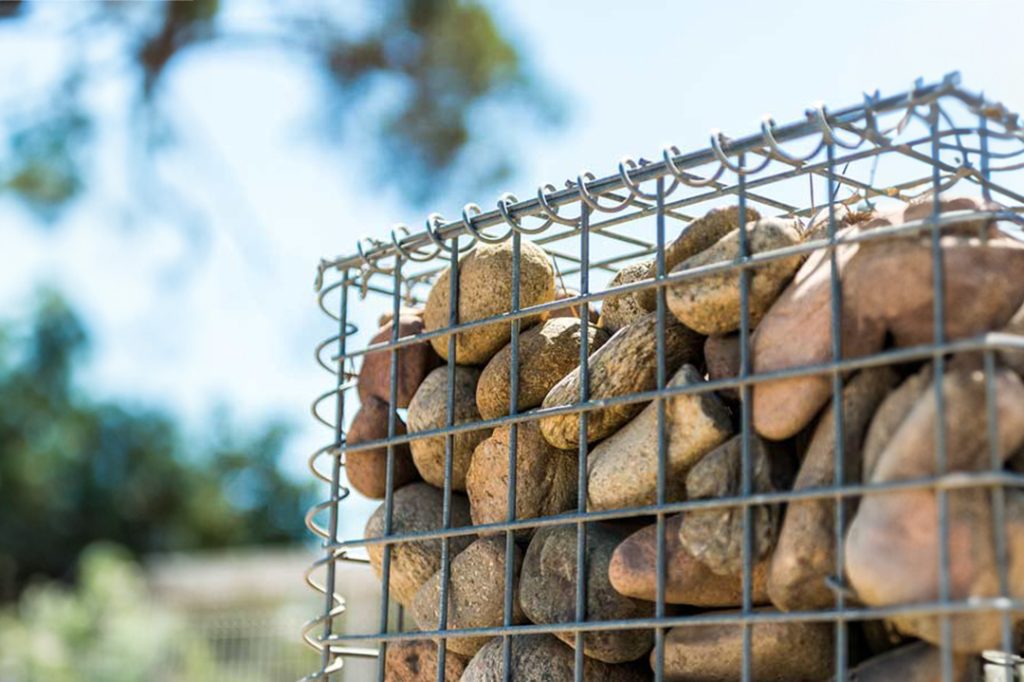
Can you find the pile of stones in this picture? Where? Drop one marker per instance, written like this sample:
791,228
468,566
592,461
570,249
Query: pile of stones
887,431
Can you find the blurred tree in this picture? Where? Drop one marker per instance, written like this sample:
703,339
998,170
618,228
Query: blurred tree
74,469
417,75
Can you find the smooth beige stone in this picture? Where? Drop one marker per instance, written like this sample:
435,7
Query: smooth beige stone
710,303
416,508
626,364
779,651
547,353
622,471
546,478
429,410
485,290
476,594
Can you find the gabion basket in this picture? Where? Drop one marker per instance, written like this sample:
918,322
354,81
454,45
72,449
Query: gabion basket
765,397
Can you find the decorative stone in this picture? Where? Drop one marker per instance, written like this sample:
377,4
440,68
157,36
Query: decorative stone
547,353
844,217
633,572
413,364
806,553
917,662
541,658
698,236
562,293
416,508
367,469
622,471
715,536
797,331
981,294
710,304
546,478
403,311
476,594
548,591
625,364
415,660
722,357
429,410
485,290
779,651
621,310
892,547
1014,358
890,414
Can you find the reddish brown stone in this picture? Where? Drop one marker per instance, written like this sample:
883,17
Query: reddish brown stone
367,469
413,364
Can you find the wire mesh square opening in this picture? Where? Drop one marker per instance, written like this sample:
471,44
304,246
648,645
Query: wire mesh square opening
765,397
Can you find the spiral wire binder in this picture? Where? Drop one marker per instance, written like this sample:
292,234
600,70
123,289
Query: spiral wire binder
962,137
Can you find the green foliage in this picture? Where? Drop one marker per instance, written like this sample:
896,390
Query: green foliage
447,60
106,629
74,469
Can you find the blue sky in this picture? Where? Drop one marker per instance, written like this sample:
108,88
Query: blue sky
237,324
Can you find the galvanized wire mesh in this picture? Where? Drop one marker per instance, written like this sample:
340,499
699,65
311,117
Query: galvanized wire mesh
883,152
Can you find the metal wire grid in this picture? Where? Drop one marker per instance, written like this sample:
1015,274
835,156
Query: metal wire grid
984,141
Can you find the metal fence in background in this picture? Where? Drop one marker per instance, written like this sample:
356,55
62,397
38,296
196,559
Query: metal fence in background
886,150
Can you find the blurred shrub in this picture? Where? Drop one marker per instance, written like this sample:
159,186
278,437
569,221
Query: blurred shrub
105,629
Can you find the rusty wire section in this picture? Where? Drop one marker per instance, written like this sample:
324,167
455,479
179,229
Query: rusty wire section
910,146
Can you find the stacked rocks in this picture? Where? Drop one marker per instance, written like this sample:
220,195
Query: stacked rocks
882,427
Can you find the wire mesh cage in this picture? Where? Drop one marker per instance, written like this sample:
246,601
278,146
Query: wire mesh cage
765,397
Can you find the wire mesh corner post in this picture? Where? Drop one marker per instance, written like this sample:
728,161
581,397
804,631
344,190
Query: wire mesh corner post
857,168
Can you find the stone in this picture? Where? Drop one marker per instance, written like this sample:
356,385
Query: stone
698,236
416,508
797,331
541,658
633,572
415,660
722,357
710,304
892,546
980,290
779,651
547,352
547,590
546,478
889,415
1014,358
428,410
806,553
562,293
624,365
485,290
817,228
921,208
367,469
476,594
621,310
403,311
715,536
622,470
917,662
412,365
